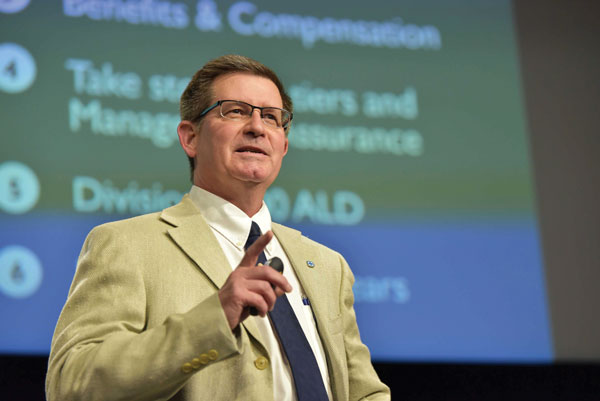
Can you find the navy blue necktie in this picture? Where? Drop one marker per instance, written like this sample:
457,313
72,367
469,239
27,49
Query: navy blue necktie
307,377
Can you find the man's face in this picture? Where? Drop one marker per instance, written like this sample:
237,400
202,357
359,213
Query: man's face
233,152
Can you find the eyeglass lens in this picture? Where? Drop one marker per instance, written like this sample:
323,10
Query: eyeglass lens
271,116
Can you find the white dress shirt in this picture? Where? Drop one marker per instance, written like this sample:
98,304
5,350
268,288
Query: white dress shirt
231,227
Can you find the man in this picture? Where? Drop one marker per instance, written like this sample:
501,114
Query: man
160,305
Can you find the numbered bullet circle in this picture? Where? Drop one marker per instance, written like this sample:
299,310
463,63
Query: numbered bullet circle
19,188
12,6
17,68
20,272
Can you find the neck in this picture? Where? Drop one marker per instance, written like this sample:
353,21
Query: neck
248,196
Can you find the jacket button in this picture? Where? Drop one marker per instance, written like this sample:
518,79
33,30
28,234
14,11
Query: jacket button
204,359
213,354
261,363
195,363
187,367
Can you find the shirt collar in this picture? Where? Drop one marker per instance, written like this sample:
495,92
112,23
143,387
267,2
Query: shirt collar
227,219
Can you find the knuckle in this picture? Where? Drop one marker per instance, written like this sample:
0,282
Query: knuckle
237,292
265,286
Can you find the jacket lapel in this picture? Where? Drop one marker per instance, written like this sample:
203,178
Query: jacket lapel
195,238
298,252
317,282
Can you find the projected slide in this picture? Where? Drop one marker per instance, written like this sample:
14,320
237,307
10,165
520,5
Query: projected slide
408,154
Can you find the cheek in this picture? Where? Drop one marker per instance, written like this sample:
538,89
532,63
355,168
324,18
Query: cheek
214,146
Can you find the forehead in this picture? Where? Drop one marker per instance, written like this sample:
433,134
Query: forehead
250,88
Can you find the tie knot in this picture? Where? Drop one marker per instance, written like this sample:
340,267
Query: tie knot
254,234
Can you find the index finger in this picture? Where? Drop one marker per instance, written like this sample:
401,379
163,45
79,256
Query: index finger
251,256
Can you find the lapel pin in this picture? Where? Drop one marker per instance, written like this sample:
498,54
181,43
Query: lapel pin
310,263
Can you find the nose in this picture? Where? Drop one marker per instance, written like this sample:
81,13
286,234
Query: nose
255,124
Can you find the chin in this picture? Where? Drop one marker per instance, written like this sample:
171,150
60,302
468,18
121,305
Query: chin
254,176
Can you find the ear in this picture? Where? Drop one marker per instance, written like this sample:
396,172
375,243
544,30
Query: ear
285,146
188,137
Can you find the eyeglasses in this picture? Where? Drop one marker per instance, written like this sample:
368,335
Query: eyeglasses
241,111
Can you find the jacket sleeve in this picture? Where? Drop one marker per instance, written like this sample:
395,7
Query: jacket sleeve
364,384
102,348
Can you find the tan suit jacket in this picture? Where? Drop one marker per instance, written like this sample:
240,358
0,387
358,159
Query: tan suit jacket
143,320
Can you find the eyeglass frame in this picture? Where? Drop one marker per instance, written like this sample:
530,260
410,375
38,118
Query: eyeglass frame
220,102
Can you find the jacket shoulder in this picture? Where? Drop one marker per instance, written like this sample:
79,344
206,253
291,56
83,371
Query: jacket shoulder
293,234
132,224
148,224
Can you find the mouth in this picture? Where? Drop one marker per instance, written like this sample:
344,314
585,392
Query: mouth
251,150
